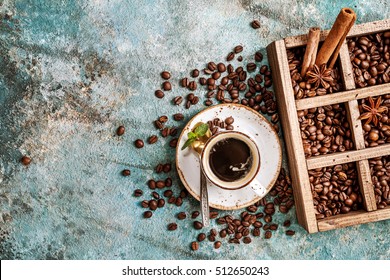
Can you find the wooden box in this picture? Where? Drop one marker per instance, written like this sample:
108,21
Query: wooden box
298,163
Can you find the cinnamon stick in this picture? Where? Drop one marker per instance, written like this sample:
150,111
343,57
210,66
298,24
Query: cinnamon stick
311,49
333,42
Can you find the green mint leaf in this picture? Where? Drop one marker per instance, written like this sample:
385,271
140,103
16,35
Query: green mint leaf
191,135
188,142
201,130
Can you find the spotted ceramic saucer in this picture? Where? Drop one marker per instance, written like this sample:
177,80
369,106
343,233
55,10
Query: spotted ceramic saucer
250,122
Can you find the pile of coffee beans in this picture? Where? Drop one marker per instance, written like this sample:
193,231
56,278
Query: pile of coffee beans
375,135
370,58
325,130
335,190
303,89
380,174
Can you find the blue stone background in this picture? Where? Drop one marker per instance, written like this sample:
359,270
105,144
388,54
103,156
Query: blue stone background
72,71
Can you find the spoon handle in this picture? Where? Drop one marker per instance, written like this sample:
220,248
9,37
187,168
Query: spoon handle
204,200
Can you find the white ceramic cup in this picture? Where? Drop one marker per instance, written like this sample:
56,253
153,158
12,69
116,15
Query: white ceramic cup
249,180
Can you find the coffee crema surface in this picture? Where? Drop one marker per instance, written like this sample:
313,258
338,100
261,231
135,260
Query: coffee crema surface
230,159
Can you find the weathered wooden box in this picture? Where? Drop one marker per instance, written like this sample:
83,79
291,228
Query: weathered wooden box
350,96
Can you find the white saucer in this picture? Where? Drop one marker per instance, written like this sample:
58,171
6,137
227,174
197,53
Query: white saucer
250,122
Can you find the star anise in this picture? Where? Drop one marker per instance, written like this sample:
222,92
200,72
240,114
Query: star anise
319,76
373,112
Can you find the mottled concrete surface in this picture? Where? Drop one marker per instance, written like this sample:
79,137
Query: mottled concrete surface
72,71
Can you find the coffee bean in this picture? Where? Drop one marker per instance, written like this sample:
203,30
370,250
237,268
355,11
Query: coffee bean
165,75
163,119
160,203
178,117
230,127
179,201
221,67
247,240
25,160
168,182
138,193
177,100
152,184
195,246
159,168
238,49
256,232
201,237
120,131
290,232
195,214
251,67
145,203
173,143
166,86
230,56
212,66
139,143
255,24
192,86
202,81
172,226
167,167
213,214
239,58
229,120
126,172
152,139
168,193
148,214
217,245
211,238
155,195
184,82
183,193
158,124
172,200
160,184
153,204
258,56
268,234
273,227
195,100
195,73
181,215
287,223
223,233
198,225
159,94
165,132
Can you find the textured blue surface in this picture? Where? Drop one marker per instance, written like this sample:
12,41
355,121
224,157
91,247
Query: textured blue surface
72,71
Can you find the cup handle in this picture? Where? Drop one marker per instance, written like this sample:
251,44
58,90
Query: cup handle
257,188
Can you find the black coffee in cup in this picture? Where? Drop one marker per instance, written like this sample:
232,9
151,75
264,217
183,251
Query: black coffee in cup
230,159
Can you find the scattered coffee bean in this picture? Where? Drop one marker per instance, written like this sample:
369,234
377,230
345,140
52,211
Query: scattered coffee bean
290,232
148,214
158,124
258,56
178,117
153,204
217,245
159,168
286,223
177,100
195,214
25,160
138,193
152,139
195,246
160,184
201,237
181,215
268,234
239,58
166,86
230,56
198,225
165,75
145,204
238,49
155,195
229,120
168,182
247,240
192,85
168,193
120,130
172,226
173,143
152,184
179,201
166,167
255,24
139,143
160,203
159,93
126,172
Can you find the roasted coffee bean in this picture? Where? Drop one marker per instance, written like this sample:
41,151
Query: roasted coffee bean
230,56
255,24
198,225
195,100
163,119
247,240
168,182
153,204
25,160
160,203
181,215
178,117
267,218
165,75
168,193
138,193
195,246
192,85
177,100
184,82
201,237
223,233
165,132
120,131
290,232
251,67
195,214
256,232
158,124
202,81
217,245
159,168
268,234
221,67
258,56
190,96
173,131
126,172
213,214
212,66
287,223
239,58
152,184
179,201
229,120
145,203
230,127
155,195
252,208
238,49
211,238
160,184
273,227
173,143
183,193
152,139
148,214
172,200
166,86
195,73
166,167
139,143
159,93
172,226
